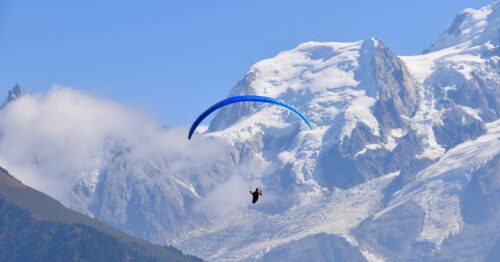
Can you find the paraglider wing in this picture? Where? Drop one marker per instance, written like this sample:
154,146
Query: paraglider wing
236,99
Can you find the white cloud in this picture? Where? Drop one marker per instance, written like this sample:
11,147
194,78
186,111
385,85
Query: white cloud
46,140
234,193
229,196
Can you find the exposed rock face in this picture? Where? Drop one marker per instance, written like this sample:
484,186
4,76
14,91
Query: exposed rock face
396,103
453,89
457,128
227,116
396,88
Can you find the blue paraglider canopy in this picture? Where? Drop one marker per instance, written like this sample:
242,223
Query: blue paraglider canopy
236,99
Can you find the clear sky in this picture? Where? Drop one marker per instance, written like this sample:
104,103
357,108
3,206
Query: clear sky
175,58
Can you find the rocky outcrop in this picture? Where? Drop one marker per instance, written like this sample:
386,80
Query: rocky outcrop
396,88
227,116
16,92
396,102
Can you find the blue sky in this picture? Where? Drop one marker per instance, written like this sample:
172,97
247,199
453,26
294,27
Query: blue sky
175,58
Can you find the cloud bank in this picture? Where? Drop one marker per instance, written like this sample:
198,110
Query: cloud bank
47,140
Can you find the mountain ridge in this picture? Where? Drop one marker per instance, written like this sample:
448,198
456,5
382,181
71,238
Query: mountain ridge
36,227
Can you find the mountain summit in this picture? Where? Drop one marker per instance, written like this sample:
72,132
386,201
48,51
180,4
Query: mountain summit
471,28
16,92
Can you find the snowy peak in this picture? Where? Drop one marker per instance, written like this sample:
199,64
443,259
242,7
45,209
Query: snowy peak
325,80
312,66
16,92
361,82
359,96
311,71
471,27
461,69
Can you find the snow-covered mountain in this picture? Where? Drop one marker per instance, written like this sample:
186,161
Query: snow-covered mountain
403,137
402,163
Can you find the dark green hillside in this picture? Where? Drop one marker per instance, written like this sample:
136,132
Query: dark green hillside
35,227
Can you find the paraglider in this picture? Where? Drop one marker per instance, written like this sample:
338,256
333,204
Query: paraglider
237,99
246,98
255,195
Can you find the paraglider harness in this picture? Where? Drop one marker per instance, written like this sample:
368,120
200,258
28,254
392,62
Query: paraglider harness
255,194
